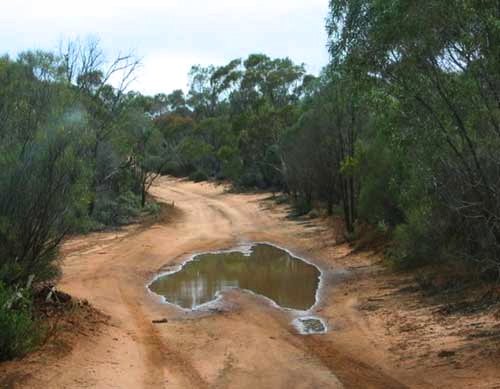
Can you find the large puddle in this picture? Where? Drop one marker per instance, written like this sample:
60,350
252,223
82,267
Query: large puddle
262,269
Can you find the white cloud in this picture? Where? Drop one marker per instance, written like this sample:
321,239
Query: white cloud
171,35
164,71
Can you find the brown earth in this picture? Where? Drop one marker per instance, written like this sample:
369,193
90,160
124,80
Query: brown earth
382,332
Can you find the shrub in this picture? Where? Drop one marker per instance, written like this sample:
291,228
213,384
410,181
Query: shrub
152,208
314,214
174,168
198,176
419,241
252,179
301,207
42,188
282,199
17,329
118,211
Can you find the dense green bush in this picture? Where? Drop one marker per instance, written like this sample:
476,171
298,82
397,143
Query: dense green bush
417,241
301,206
175,169
111,211
252,178
42,188
432,164
198,176
18,331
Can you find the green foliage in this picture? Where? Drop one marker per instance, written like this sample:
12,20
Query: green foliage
240,113
231,163
117,211
75,154
431,165
251,179
401,130
349,165
417,241
42,187
18,331
198,176
384,178
301,207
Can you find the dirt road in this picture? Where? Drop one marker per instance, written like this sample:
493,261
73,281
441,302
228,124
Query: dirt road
248,343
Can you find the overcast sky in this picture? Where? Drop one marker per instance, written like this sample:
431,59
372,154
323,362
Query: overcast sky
172,35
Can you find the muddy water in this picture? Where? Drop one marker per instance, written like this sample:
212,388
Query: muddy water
263,269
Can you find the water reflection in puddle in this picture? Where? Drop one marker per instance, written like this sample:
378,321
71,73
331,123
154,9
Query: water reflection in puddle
263,269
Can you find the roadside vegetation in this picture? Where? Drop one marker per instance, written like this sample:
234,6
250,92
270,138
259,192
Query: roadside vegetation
400,131
76,154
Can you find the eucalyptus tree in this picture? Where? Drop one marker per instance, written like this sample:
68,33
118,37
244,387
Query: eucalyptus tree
265,104
210,86
84,66
42,172
443,68
143,148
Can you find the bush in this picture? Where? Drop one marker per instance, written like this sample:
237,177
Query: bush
174,168
282,199
314,214
17,329
301,207
42,188
198,176
252,179
419,241
152,208
118,211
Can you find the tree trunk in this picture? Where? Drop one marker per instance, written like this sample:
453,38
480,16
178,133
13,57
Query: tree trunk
93,184
330,206
143,196
348,205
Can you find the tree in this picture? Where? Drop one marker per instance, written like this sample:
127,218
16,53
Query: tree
42,175
210,86
443,69
142,146
84,66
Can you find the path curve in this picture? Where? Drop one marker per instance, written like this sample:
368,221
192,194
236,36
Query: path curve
251,345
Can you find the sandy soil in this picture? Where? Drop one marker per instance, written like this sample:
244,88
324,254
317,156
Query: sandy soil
382,335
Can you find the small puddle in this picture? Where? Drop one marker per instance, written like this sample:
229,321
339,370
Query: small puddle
263,269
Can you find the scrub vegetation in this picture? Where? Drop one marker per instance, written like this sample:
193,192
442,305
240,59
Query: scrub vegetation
401,131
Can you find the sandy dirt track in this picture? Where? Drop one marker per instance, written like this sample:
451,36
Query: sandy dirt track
247,343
